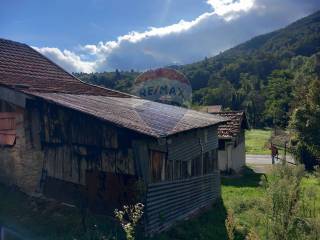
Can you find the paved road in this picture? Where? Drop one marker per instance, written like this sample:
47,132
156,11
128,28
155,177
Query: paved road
263,159
262,163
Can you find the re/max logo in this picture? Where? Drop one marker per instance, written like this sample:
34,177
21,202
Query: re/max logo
161,90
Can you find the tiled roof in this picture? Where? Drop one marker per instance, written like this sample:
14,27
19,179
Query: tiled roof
236,121
25,70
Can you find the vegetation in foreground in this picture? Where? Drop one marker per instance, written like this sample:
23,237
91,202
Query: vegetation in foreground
257,141
245,202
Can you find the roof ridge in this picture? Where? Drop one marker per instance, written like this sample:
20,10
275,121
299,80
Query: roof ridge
63,71
71,75
11,41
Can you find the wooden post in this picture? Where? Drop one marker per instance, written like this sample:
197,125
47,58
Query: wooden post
285,152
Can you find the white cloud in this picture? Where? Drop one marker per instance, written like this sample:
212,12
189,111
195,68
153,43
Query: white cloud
231,22
67,59
229,8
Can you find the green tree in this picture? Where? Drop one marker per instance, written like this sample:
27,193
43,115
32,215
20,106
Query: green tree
306,123
278,98
251,99
305,120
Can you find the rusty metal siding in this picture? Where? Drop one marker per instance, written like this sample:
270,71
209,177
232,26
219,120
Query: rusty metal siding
187,146
168,202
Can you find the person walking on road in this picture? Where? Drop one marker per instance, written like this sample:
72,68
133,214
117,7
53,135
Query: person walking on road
274,153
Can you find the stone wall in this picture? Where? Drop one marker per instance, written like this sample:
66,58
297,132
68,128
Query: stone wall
21,163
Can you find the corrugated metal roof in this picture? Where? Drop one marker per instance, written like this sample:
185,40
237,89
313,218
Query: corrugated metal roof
150,118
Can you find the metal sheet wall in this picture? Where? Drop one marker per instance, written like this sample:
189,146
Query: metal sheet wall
168,202
186,146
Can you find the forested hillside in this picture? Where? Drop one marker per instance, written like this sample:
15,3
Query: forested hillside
261,76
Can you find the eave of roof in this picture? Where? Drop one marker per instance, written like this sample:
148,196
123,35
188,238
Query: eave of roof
140,115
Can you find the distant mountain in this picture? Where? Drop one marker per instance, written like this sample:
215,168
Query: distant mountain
258,56
250,76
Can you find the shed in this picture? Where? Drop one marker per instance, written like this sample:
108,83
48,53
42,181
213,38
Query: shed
231,134
80,143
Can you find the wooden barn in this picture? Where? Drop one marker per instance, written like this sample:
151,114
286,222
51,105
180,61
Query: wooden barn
83,144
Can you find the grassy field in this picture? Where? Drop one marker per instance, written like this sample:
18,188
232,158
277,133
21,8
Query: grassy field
257,140
242,194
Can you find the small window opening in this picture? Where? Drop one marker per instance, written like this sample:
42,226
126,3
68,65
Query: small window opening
7,128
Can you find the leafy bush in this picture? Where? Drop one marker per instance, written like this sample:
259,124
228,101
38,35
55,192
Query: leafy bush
129,218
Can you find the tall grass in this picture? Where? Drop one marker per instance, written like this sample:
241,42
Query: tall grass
290,209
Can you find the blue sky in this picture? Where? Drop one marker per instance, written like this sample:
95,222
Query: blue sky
97,35
68,23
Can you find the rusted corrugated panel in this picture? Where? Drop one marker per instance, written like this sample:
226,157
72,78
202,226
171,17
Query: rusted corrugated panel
147,117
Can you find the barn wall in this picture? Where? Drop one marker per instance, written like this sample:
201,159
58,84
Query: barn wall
66,154
234,154
186,146
225,155
85,156
21,163
239,153
53,143
178,197
223,160
168,202
74,143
